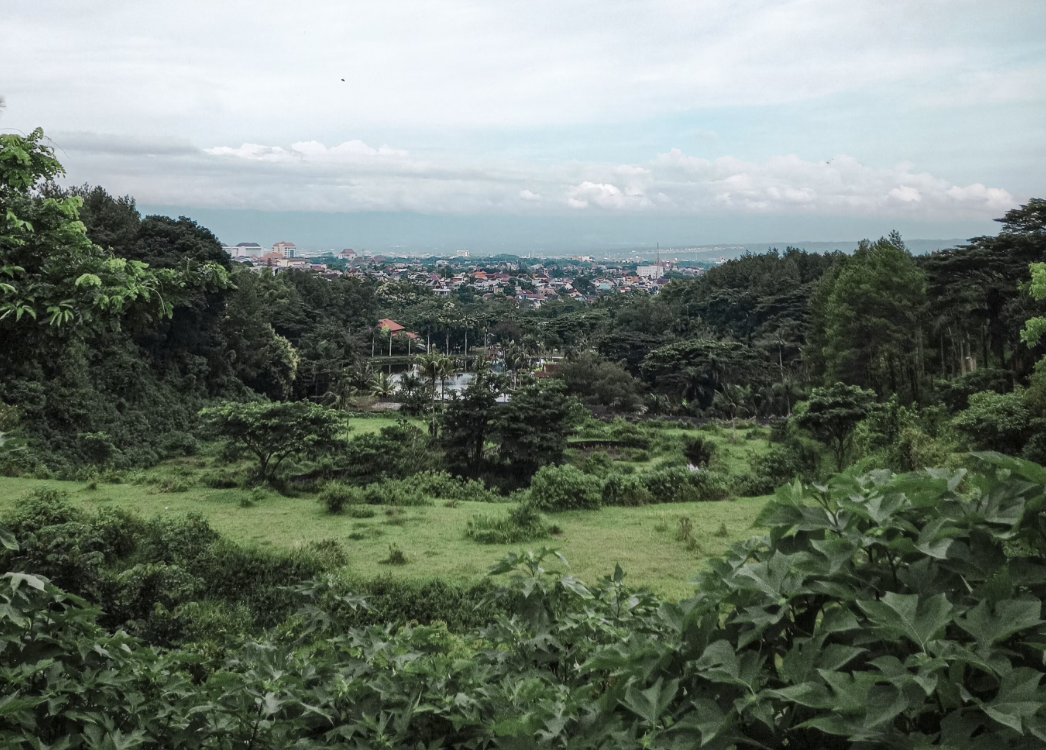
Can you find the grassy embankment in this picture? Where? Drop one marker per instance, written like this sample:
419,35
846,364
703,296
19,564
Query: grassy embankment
644,541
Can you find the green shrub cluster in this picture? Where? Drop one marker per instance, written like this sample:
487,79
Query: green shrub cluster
142,572
335,497
521,524
559,488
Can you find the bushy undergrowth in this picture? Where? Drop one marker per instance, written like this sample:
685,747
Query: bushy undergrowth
559,488
142,572
336,497
521,524
880,611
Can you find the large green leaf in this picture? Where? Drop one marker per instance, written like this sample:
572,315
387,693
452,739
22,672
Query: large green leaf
908,615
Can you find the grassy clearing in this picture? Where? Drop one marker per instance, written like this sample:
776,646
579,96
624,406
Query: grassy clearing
646,541
373,425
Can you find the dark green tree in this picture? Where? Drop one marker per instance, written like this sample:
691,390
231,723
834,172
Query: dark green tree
833,413
274,432
872,319
599,383
531,430
465,425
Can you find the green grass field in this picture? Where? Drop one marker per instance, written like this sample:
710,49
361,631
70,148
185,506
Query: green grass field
642,540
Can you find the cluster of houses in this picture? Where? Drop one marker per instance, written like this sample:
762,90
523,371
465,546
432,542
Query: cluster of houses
533,286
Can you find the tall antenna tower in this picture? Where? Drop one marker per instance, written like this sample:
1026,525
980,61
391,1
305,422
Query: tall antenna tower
657,267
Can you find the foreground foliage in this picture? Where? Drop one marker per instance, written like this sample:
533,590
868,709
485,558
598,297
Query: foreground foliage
880,611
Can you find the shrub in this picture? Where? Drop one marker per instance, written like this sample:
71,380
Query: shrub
440,484
521,524
334,497
598,464
559,488
226,479
998,422
629,434
327,552
625,490
396,556
177,443
685,533
699,451
752,485
684,486
394,492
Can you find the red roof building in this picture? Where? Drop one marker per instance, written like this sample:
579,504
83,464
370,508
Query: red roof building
391,326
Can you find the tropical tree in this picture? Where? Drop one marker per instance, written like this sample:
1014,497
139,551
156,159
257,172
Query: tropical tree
53,280
515,359
274,432
833,413
734,402
435,366
465,424
532,429
382,386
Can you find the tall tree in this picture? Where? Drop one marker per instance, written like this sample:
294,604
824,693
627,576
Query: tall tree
531,430
465,424
872,319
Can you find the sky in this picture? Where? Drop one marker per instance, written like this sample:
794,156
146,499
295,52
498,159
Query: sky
551,125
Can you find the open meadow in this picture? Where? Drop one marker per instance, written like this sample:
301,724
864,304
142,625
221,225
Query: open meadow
644,541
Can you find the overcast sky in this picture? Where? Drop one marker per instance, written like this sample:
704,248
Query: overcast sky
737,120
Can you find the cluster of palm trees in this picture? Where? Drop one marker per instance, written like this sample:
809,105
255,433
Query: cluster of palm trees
773,399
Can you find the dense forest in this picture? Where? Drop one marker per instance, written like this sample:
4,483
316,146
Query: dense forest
892,599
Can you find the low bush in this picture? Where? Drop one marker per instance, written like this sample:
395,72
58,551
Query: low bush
521,524
559,488
878,611
140,571
628,434
335,497
396,556
227,478
177,444
678,485
598,464
394,492
699,451
625,490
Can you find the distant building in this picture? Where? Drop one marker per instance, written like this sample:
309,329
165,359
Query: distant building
348,254
462,254
655,271
244,250
284,249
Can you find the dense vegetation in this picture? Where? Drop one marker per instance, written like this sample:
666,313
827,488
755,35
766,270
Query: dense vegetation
894,601
882,610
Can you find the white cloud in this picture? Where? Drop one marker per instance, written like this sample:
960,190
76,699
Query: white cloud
212,70
354,176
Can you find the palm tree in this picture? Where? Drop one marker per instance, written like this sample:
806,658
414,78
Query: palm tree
515,358
435,366
382,386
734,401
342,395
